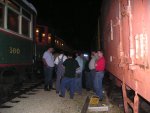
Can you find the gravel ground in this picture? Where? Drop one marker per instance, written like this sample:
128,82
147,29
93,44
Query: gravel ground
49,102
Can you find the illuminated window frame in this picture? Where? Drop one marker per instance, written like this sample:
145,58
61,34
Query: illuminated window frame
26,17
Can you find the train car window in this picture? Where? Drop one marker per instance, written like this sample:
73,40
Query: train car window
12,21
2,0
25,27
26,14
49,38
41,35
13,5
1,15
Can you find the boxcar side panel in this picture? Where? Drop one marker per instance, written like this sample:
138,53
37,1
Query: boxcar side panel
126,32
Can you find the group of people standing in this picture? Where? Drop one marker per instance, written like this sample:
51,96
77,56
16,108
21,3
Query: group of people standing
69,72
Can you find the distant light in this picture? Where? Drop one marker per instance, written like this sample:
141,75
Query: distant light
49,37
43,35
62,44
37,30
85,55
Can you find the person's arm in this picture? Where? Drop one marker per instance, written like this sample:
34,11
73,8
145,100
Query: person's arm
56,61
77,67
78,70
64,64
64,58
45,63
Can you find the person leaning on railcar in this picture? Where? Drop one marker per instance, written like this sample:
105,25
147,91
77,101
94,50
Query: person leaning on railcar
99,68
48,60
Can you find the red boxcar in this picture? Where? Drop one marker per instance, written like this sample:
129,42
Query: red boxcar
125,33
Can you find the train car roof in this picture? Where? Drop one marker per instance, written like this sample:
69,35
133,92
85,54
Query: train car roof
30,5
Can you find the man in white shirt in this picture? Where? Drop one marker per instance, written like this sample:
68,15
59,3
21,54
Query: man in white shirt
48,60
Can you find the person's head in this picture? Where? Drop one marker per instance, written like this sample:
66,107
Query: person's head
61,52
78,53
93,53
100,53
70,55
51,49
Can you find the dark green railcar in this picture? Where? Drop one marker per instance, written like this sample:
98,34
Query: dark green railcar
15,50
17,25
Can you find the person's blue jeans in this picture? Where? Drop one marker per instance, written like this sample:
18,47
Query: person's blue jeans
92,74
48,72
67,83
78,84
98,84
58,80
88,80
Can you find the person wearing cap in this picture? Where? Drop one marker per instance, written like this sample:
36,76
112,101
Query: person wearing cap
48,61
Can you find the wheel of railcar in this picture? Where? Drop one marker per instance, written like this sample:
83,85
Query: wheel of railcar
38,69
9,79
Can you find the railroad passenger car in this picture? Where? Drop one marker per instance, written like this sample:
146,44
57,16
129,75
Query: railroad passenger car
23,43
17,24
125,33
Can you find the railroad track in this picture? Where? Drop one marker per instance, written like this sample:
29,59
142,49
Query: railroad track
114,94
26,87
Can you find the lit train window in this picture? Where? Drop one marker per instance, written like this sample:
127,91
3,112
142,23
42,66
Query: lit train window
25,27
49,38
41,34
13,5
1,15
12,21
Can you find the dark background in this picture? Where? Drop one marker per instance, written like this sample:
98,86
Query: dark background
75,21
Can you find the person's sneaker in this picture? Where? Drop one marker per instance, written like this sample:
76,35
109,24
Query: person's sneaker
46,89
71,97
88,89
79,93
61,96
53,88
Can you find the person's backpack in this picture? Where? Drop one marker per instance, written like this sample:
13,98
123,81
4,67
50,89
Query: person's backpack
60,68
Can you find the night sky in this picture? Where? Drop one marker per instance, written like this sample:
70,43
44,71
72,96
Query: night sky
75,21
